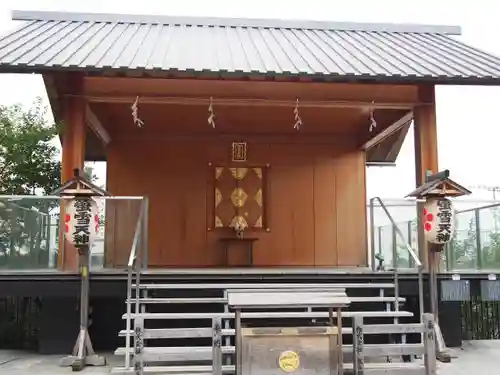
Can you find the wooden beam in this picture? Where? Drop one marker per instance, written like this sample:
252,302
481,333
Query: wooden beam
256,138
426,155
54,100
96,126
388,131
398,143
247,102
425,132
73,138
405,96
73,156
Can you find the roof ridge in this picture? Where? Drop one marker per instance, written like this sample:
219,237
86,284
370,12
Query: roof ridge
22,15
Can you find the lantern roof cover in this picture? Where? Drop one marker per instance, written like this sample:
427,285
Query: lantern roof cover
439,185
79,185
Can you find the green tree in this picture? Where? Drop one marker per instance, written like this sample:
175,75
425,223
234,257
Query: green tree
88,173
28,155
29,165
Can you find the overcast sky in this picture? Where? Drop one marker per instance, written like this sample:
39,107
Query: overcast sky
468,117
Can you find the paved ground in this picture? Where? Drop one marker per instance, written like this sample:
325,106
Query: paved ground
22,363
477,358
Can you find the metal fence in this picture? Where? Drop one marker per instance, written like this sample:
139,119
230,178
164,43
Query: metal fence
475,244
30,230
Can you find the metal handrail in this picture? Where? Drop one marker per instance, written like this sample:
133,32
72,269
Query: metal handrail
398,231
411,251
67,197
391,202
135,242
458,212
133,265
479,208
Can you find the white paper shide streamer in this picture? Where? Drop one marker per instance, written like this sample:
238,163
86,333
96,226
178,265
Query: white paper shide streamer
135,113
298,119
211,113
373,123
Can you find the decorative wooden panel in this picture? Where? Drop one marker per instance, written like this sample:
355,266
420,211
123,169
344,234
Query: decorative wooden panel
239,151
313,201
239,196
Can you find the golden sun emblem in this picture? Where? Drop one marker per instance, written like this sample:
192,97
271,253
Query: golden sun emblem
288,361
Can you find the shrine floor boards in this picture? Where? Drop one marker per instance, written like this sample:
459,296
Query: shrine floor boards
477,357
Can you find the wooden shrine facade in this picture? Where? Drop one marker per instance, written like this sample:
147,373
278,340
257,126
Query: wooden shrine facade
300,191
265,125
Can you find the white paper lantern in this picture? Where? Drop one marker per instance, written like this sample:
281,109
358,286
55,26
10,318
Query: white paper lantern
439,220
81,221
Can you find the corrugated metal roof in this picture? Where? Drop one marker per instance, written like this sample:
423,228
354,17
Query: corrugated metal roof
49,40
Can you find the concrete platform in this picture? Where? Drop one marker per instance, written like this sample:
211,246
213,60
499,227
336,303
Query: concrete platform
477,357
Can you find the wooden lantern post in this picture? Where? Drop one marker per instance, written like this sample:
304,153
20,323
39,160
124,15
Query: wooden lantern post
80,229
439,223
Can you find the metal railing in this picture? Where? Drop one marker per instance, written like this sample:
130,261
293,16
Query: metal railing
26,232
475,246
476,241
395,268
137,260
30,230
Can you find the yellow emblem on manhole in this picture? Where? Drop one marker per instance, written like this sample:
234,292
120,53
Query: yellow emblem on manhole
288,361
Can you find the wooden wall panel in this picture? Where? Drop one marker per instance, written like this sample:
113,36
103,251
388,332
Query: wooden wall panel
351,209
311,185
120,214
325,216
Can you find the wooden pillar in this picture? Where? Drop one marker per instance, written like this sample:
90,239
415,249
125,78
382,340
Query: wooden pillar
426,152
73,155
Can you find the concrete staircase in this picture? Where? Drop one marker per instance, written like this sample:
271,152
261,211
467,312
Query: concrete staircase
175,325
